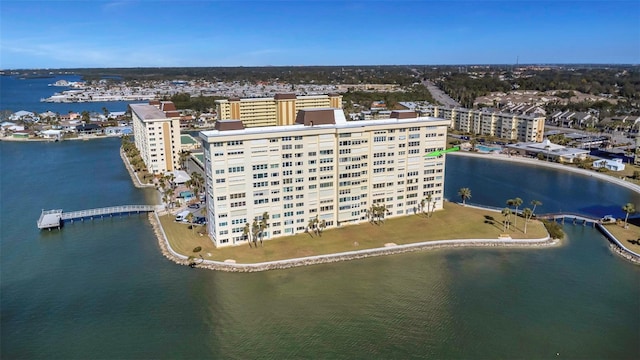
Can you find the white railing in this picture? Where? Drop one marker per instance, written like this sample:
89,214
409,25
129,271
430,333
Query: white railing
107,211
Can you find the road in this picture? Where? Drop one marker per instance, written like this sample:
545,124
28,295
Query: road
439,95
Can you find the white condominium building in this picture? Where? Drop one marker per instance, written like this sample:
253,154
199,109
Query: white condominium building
156,131
278,110
322,167
523,128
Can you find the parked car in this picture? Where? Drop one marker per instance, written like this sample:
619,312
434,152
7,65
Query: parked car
201,220
194,206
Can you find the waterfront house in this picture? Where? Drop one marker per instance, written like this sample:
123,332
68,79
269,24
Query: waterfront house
70,116
26,116
48,115
11,126
51,134
88,129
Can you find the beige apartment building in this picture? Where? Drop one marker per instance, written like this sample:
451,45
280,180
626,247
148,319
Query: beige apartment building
278,110
156,131
321,167
522,128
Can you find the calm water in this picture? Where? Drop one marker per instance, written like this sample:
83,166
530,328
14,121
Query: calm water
25,94
102,289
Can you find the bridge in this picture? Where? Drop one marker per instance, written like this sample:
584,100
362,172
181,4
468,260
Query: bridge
574,217
56,218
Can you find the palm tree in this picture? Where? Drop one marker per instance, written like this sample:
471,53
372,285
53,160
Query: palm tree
429,200
195,183
322,226
516,204
190,220
465,193
506,212
527,213
535,203
380,211
255,231
316,221
628,208
422,206
310,225
246,234
166,199
264,224
184,155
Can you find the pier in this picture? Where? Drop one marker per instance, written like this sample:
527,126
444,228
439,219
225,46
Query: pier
56,218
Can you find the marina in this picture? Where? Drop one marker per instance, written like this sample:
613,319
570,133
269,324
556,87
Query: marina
56,218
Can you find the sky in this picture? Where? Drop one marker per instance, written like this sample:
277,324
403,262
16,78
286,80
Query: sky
153,33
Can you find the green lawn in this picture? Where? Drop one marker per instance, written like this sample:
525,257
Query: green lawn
628,237
455,222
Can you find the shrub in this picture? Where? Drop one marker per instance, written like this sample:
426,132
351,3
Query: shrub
197,249
554,229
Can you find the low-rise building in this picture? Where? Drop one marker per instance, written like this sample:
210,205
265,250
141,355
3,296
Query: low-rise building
613,164
549,151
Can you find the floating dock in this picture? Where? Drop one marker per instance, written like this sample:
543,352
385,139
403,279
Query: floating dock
56,218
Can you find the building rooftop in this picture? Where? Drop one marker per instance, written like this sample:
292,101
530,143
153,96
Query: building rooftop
548,147
147,112
340,123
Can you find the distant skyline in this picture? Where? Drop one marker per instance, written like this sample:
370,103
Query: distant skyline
148,33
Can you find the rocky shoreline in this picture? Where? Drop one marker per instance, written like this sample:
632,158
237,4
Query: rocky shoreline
134,177
230,266
389,249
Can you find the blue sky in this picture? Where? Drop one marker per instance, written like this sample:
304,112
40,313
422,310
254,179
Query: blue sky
147,33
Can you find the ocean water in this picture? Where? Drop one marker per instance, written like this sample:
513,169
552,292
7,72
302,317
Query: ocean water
102,290
24,94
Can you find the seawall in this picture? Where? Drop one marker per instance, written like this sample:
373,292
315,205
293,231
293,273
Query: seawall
169,253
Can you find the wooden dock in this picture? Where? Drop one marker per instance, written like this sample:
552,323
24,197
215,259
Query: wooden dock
56,218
